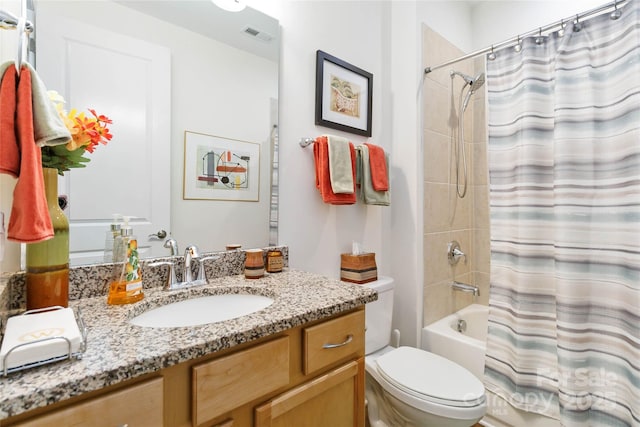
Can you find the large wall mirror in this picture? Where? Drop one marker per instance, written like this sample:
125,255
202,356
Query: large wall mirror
161,70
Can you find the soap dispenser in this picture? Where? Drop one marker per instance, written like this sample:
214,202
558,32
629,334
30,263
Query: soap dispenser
110,237
126,284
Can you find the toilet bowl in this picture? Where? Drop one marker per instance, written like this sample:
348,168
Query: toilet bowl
410,387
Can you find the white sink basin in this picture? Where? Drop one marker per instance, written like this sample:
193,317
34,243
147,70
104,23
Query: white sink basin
202,310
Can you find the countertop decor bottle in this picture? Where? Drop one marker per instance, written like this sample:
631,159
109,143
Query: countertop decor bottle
126,285
275,261
47,263
254,264
112,233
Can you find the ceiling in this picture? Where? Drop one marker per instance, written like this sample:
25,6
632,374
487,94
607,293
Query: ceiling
207,19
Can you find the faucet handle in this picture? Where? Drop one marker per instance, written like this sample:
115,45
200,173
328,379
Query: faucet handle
172,281
202,274
454,253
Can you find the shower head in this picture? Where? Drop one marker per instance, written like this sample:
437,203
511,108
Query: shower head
477,82
474,82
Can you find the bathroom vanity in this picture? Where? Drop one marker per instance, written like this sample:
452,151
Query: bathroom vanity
299,361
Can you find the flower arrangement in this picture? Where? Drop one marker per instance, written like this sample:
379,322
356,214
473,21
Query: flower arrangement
86,133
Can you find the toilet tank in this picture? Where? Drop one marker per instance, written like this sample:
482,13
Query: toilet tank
378,315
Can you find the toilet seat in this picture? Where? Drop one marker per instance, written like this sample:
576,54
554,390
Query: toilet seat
429,377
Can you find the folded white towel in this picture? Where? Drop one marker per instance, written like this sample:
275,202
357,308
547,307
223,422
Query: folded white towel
340,165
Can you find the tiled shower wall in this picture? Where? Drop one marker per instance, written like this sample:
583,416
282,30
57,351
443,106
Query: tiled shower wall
446,216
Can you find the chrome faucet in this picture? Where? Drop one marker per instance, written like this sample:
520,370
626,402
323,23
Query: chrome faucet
463,287
190,254
171,244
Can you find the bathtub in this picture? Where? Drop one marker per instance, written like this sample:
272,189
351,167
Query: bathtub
467,348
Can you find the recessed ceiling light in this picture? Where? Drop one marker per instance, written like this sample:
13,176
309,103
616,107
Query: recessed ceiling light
230,5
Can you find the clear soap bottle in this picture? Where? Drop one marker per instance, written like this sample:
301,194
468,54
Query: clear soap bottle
126,284
110,237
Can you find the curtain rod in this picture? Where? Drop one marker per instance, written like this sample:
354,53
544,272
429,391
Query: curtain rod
516,40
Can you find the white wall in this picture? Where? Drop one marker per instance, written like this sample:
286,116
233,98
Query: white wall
451,19
496,21
374,36
316,232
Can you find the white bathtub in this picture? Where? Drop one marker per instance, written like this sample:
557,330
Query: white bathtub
468,349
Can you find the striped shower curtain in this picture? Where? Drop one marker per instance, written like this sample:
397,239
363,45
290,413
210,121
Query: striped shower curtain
564,166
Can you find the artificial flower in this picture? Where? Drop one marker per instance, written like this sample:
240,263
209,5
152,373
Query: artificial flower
87,131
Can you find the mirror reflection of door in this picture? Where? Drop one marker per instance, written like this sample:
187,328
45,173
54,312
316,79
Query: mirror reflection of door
127,80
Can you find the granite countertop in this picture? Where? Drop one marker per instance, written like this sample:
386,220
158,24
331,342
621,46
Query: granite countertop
118,351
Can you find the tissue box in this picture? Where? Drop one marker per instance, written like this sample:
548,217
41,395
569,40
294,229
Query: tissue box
359,268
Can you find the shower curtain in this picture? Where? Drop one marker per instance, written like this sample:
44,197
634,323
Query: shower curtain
564,166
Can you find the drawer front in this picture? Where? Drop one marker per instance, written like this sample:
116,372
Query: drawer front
333,341
135,406
231,381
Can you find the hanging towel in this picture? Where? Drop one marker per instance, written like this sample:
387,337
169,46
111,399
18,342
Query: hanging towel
29,221
377,162
9,151
340,165
323,181
366,192
48,127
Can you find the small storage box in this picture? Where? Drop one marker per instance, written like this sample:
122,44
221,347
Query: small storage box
358,268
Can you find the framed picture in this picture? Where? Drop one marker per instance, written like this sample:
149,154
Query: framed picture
217,168
343,95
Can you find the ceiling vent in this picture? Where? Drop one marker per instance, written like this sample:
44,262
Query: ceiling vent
255,33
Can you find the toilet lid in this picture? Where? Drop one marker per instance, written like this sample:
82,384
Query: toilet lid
431,377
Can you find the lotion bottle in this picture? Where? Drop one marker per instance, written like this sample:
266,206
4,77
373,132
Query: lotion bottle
126,285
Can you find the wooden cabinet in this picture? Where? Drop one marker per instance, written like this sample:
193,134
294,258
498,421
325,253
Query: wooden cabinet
311,375
135,406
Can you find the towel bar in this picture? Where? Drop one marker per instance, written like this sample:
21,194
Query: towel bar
305,142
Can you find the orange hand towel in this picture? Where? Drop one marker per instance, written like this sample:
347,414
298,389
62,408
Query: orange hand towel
29,221
9,151
378,167
323,179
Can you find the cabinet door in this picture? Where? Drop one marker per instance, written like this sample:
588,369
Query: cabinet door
335,399
231,381
136,406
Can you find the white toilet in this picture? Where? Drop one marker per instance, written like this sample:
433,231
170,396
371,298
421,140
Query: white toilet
410,387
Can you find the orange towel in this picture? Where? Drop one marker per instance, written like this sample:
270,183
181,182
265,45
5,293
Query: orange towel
323,179
378,167
9,151
29,221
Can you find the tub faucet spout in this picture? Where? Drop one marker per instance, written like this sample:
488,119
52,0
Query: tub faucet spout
463,287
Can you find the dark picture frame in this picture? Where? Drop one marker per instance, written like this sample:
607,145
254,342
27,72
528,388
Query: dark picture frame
344,95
